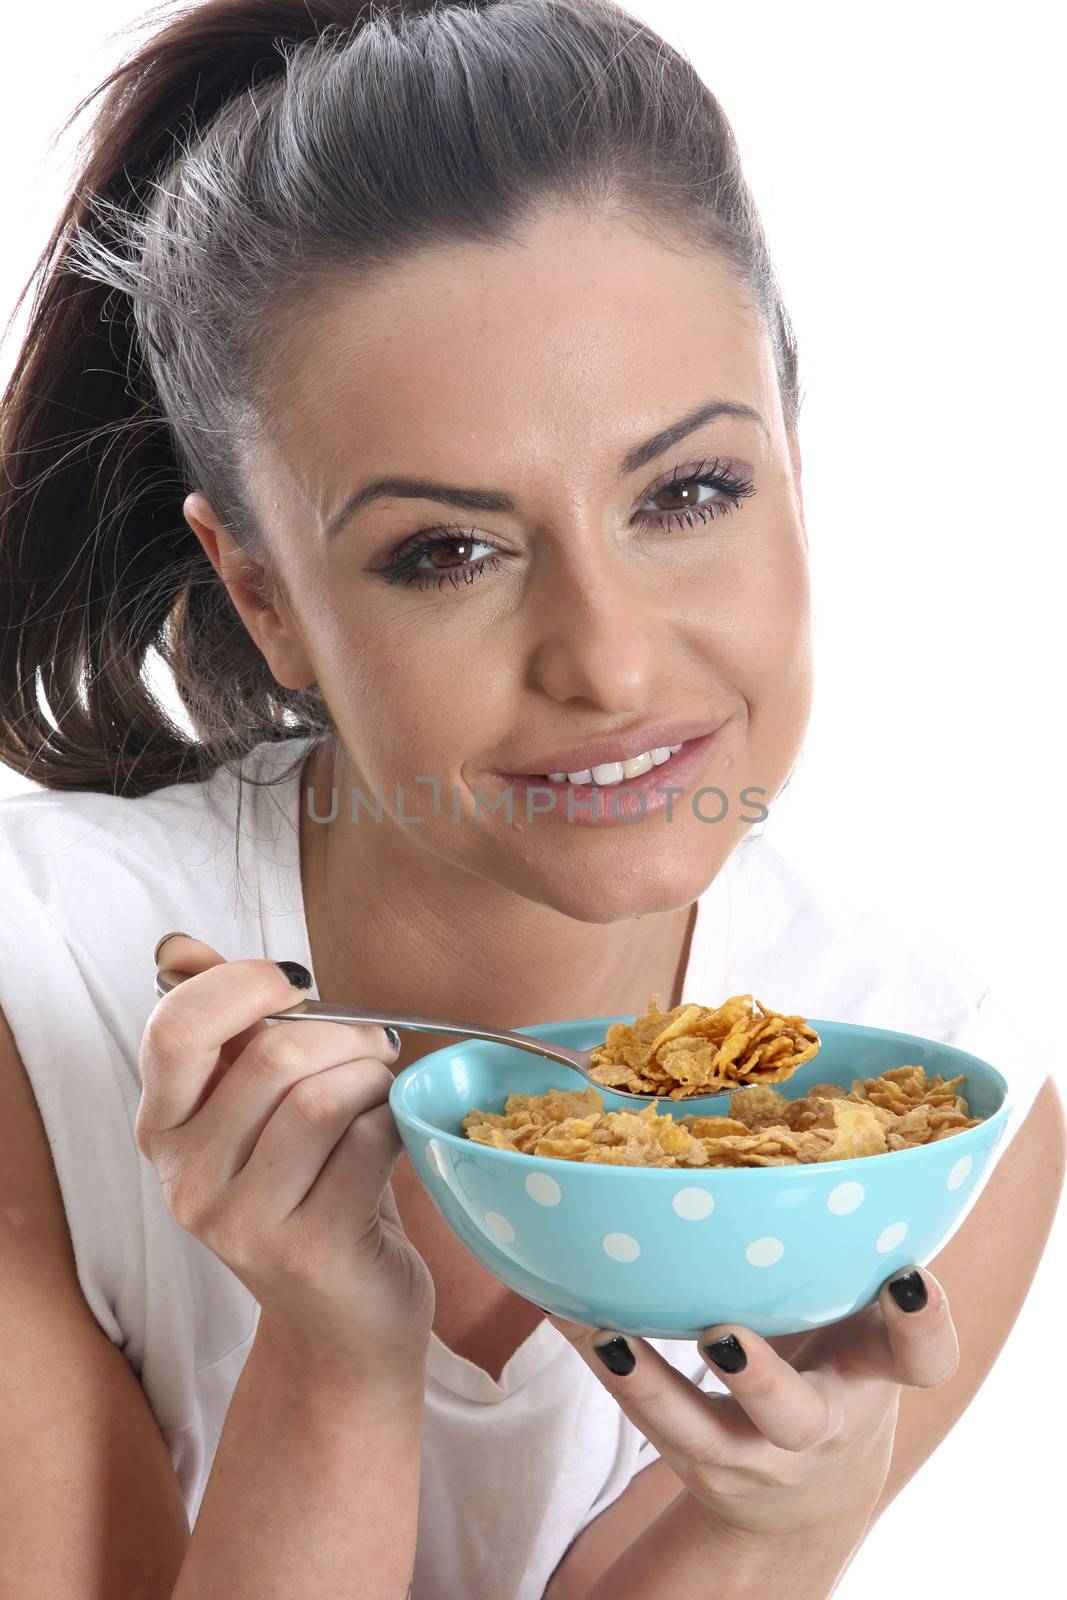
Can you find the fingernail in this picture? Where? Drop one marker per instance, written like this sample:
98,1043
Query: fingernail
177,934
909,1291
393,1037
617,1356
727,1353
298,976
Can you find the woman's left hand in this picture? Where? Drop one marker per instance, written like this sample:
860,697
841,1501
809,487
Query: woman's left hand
791,1449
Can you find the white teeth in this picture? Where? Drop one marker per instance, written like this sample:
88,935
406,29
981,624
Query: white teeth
617,771
637,765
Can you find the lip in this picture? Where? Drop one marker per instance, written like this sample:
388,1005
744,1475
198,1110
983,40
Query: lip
619,747
637,798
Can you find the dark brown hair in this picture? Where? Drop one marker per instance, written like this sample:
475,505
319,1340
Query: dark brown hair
245,158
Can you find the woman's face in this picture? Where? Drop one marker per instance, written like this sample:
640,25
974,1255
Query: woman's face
578,596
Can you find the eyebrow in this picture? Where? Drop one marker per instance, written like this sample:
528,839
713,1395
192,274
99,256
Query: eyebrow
640,455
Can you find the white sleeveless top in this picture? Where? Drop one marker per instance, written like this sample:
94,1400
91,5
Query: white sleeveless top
512,1470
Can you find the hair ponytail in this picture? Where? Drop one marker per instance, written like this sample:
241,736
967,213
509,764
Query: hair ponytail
95,556
238,128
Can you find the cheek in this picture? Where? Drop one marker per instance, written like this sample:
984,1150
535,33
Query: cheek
775,607
754,616
787,609
412,707
781,679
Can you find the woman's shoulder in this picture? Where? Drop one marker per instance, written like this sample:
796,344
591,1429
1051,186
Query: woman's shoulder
64,843
46,829
89,882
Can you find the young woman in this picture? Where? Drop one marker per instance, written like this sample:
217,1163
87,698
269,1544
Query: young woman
417,385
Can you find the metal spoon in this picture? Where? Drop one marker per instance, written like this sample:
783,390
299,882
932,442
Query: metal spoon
324,1011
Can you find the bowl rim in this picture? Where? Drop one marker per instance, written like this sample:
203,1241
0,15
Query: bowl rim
404,1115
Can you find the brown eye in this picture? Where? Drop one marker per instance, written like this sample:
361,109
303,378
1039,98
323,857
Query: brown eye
441,553
459,550
728,490
685,493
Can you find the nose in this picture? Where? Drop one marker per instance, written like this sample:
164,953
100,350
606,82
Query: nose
596,631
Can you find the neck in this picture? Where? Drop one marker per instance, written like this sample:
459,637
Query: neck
394,928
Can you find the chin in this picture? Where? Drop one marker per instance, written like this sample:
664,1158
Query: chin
637,888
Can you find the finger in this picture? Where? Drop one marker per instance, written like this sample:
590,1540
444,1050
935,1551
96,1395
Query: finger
360,1164
787,1408
187,1029
389,1209
165,939
180,1051
886,1344
925,1349
189,955
287,1056
302,1136
685,1423
661,1402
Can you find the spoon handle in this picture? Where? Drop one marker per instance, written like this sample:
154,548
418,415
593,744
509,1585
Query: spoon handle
326,1011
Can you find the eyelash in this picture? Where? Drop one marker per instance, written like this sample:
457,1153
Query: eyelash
403,567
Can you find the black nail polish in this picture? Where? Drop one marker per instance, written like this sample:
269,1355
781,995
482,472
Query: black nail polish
298,976
617,1356
909,1291
727,1353
393,1037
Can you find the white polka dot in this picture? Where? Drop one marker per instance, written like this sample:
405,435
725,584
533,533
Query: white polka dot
765,1252
500,1226
436,1158
960,1171
845,1198
694,1204
621,1247
890,1237
545,1190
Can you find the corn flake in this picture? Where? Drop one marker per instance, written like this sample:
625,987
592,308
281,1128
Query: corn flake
702,1050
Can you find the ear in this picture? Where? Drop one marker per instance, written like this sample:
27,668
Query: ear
261,605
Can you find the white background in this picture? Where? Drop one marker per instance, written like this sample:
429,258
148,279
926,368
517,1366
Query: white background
907,162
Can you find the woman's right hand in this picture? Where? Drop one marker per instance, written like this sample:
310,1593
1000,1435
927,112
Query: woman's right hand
274,1143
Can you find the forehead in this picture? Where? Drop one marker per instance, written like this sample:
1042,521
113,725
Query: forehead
492,357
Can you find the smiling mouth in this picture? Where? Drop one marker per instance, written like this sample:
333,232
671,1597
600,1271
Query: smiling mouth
607,773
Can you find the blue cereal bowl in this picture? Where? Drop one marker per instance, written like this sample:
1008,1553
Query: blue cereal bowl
665,1252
